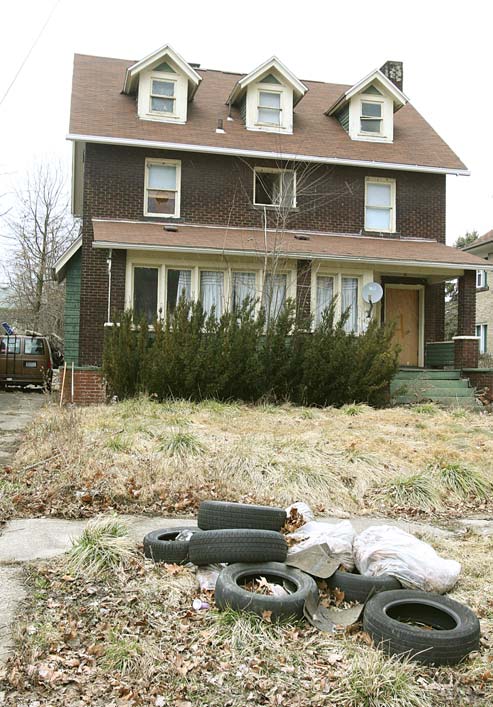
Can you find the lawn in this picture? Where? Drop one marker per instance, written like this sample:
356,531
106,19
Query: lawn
140,456
104,627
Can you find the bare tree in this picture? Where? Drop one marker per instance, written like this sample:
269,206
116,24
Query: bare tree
39,228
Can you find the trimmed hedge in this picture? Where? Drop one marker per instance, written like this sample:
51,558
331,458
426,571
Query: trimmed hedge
240,357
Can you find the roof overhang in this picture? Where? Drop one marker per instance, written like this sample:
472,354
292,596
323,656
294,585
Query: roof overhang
164,52
236,241
263,154
299,88
399,98
64,259
483,246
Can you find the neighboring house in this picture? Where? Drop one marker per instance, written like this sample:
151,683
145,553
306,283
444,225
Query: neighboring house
483,247
223,185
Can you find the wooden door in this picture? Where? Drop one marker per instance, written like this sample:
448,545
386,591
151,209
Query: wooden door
402,306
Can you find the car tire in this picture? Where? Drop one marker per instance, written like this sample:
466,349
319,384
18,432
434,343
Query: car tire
237,545
357,587
230,594
454,634
161,546
216,515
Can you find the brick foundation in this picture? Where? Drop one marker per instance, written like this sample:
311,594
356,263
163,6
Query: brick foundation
466,351
482,380
89,388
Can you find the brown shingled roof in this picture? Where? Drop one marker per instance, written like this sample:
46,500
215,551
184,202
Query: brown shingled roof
292,244
100,109
483,240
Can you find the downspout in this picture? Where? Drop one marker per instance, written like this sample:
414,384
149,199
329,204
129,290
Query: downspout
108,262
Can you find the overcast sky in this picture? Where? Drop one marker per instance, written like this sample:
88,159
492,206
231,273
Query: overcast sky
445,47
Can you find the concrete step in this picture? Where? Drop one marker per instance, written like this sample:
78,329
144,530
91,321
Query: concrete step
426,374
443,401
423,383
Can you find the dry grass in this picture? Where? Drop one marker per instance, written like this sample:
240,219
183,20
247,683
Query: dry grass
130,637
139,456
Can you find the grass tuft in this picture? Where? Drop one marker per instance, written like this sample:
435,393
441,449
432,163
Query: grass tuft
463,481
417,490
352,409
103,546
181,444
426,409
374,680
122,653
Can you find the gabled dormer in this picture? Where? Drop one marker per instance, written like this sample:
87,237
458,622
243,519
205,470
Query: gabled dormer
164,84
266,97
366,110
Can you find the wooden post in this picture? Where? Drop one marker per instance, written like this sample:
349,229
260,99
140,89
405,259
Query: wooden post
63,383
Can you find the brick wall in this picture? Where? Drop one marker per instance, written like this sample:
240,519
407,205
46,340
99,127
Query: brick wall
482,380
88,387
466,324
466,352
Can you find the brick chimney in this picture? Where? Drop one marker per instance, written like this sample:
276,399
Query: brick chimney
394,71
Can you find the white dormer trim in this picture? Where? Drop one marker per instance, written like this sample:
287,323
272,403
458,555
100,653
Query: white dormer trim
166,51
399,98
299,89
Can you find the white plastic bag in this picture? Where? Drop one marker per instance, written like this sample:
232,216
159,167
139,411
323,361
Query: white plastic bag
338,536
207,576
303,509
384,549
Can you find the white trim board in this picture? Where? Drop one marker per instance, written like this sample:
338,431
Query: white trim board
262,154
298,256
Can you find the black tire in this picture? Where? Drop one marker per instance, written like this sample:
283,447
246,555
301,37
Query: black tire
215,515
454,634
237,545
357,587
160,546
230,594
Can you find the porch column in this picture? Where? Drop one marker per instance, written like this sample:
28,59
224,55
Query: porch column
466,343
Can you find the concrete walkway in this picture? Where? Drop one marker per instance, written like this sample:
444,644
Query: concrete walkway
16,412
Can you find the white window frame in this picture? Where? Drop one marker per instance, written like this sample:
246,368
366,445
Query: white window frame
274,170
280,109
482,333
326,271
176,163
379,102
392,183
148,265
480,279
157,95
258,284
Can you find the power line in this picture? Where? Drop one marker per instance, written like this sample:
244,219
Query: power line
30,51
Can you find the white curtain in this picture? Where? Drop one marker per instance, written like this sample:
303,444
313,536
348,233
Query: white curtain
350,299
184,285
211,291
325,293
274,295
243,287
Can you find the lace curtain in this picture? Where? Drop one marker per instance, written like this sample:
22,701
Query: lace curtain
325,293
212,291
349,298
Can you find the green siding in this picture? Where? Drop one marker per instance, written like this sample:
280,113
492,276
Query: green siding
439,354
343,117
270,79
72,310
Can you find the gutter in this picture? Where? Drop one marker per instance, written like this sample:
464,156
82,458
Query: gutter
290,255
262,154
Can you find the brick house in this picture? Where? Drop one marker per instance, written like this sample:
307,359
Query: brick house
483,247
220,185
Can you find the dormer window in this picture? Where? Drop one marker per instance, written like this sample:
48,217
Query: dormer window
269,108
163,96
371,117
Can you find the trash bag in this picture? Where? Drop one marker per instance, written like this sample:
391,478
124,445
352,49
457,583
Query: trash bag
385,549
303,509
338,536
207,576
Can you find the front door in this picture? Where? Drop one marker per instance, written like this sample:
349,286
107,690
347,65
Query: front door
402,307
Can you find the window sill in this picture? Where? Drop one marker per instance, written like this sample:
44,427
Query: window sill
164,217
374,231
273,207
483,289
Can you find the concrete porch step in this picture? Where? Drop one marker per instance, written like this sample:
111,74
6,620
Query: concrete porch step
426,374
430,392
423,383
444,401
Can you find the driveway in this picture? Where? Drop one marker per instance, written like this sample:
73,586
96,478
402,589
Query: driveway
16,410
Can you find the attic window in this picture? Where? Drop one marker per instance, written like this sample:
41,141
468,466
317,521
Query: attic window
163,96
371,117
269,108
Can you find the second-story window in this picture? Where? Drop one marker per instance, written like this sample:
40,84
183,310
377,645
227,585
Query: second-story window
269,108
380,205
480,279
163,96
162,188
274,187
371,117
